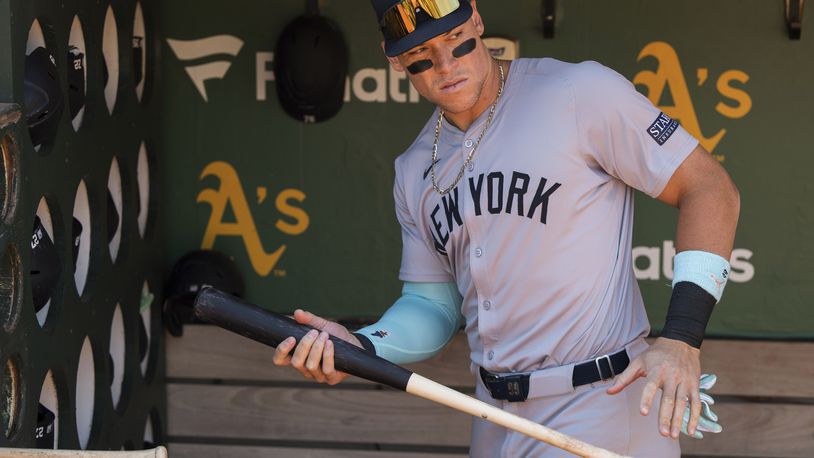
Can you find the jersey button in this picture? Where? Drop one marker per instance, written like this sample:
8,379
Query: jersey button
478,252
468,143
471,167
487,305
491,355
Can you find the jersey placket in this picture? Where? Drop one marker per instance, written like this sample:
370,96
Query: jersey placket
476,252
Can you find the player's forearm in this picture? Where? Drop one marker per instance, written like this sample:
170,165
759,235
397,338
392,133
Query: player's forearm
418,325
708,216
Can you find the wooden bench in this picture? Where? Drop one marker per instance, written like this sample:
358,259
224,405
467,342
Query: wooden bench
157,452
227,399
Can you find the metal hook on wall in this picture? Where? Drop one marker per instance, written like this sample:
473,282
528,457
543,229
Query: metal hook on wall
312,7
794,18
549,15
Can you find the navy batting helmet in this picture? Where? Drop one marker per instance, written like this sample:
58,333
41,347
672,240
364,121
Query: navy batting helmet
310,67
191,273
43,100
45,267
76,81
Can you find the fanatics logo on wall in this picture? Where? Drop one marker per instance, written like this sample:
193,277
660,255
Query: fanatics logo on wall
194,50
662,128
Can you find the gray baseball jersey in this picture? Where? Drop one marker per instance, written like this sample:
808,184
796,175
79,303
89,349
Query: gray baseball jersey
537,233
537,236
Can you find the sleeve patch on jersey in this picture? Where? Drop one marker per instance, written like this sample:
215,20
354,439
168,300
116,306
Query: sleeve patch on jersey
662,128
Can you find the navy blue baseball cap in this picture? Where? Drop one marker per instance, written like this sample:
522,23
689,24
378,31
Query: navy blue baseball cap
406,24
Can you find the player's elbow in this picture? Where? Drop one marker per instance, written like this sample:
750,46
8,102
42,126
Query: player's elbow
729,193
728,198
736,199
718,183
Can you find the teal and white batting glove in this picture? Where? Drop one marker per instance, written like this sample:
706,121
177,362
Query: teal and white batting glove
707,421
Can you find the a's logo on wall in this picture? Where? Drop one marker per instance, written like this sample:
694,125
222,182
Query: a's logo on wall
240,223
196,53
668,89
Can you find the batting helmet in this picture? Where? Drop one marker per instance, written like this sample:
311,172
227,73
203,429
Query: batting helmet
137,59
44,435
45,268
310,68
190,274
76,80
43,100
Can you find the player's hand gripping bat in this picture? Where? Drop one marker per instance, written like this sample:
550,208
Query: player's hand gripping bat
270,328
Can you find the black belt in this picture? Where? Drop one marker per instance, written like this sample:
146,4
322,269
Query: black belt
515,387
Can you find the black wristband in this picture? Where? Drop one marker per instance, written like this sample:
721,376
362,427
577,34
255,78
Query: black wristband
366,343
688,314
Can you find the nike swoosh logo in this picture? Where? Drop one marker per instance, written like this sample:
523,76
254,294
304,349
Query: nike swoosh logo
427,172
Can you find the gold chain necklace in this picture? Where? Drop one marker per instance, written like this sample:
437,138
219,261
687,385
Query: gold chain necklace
471,152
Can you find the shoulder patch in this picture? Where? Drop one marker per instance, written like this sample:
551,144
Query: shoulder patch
662,128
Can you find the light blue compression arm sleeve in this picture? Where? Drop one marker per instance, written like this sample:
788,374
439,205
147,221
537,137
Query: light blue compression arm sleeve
419,324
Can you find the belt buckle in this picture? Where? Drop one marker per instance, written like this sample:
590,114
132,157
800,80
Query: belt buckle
599,367
488,377
512,388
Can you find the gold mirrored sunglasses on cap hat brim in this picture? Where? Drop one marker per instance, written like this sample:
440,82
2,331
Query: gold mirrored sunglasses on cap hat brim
401,19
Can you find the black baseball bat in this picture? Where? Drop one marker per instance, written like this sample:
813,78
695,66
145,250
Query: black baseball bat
265,326
256,323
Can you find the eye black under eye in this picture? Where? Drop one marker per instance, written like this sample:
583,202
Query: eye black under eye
464,48
419,66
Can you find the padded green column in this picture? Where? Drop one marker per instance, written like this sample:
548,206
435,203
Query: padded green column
93,354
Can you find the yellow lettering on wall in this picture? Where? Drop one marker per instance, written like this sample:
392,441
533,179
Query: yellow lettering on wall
738,95
231,192
295,213
669,73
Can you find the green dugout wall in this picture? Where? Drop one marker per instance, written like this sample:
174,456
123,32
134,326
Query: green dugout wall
307,211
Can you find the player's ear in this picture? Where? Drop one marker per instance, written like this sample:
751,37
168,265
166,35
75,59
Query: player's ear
477,20
394,61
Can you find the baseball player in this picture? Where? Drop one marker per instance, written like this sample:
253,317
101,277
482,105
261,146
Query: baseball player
516,208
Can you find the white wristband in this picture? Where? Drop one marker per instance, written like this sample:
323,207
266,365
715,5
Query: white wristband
707,270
